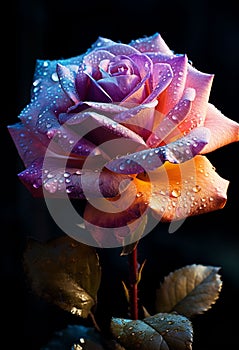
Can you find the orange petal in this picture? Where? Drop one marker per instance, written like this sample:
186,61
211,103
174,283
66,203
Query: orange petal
191,188
223,129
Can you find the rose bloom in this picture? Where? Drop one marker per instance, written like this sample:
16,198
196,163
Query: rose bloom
124,125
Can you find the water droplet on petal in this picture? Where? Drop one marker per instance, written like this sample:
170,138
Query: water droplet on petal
175,193
139,194
196,188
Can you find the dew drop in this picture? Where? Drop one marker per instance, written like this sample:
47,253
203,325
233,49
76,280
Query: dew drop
54,77
175,193
196,188
139,194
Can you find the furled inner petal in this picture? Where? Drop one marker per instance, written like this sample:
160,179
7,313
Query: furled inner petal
141,91
223,130
117,87
95,92
176,152
190,188
161,78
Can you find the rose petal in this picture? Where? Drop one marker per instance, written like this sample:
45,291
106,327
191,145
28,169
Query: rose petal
169,126
112,222
120,86
101,42
161,78
176,152
139,93
94,58
114,129
223,130
202,83
154,43
187,189
28,145
67,80
174,91
72,182
70,142
96,92
121,49
139,118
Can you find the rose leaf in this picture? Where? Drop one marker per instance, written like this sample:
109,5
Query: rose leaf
162,331
64,272
190,290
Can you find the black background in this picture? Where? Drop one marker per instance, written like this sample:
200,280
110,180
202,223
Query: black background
208,32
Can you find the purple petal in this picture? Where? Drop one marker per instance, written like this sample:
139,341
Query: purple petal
176,152
28,145
94,58
82,83
153,43
139,93
161,78
101,42
71,142
48,100
67,80
121,49
108,108
72,182
175,90
96,92
173,119
117,87
114,128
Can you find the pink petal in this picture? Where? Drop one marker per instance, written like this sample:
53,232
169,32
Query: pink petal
168,128
153,43
202,83
161,78
223,130
139,118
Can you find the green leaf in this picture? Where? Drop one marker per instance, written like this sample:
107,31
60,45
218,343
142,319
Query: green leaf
64,272
190,290
159,332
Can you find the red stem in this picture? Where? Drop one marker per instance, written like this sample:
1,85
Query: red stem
133,284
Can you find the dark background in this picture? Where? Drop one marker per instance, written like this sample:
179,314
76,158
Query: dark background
209,33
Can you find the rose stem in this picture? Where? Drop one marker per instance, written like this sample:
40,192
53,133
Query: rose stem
133,284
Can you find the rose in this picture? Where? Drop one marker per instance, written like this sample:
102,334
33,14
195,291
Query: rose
136,115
